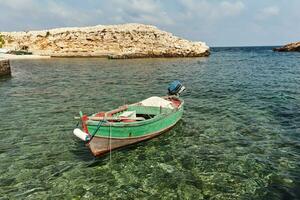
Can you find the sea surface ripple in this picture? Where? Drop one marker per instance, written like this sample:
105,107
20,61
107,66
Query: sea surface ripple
239,137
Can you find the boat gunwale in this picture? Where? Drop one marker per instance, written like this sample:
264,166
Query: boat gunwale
141,123
135,137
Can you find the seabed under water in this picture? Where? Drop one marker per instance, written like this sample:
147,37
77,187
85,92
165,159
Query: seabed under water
238,139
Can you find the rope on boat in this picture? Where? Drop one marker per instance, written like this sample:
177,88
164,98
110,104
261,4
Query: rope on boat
98,126
109,141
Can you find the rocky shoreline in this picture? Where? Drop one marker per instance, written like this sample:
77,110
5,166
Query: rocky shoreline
22,57
112,41
295,46
4,67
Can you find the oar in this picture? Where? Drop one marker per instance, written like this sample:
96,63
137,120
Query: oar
116,118
113,118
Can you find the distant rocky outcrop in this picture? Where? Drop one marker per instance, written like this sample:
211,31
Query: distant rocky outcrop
4,67
115,41
289,47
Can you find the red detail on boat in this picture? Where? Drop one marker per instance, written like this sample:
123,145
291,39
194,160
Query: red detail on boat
84,126
100,114
84,118
125,119
128,120
176,102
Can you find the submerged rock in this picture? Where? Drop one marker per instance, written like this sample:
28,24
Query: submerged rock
113,41
4,67
289,47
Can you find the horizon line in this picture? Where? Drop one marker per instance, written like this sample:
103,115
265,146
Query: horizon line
221,46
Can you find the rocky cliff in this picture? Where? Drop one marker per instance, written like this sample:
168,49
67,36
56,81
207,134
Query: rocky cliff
4,67
289,47
116,41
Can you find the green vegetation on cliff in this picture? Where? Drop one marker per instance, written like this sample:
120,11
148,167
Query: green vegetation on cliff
1,41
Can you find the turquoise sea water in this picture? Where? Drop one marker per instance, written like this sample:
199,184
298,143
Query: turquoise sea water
239,137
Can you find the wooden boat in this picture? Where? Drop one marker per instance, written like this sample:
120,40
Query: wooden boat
130,124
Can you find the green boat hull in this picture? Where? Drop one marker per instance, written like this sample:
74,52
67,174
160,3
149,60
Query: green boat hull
129,124
137,129
110,136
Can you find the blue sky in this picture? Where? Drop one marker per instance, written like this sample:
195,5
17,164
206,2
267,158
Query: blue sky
216,22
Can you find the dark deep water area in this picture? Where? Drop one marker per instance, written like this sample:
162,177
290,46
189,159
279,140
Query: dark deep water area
239,137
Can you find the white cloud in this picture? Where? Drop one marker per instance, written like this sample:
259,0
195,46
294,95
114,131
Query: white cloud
143,6
268,12
33,14
231,9
213,21
68,14
18,4
156,12
273,10
212,11
143,11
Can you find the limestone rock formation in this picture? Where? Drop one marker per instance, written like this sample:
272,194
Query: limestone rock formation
289,47
4,67
115,41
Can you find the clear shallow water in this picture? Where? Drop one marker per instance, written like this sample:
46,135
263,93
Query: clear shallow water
239,137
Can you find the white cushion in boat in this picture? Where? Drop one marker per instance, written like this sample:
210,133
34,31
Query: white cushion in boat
131,114
157,102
